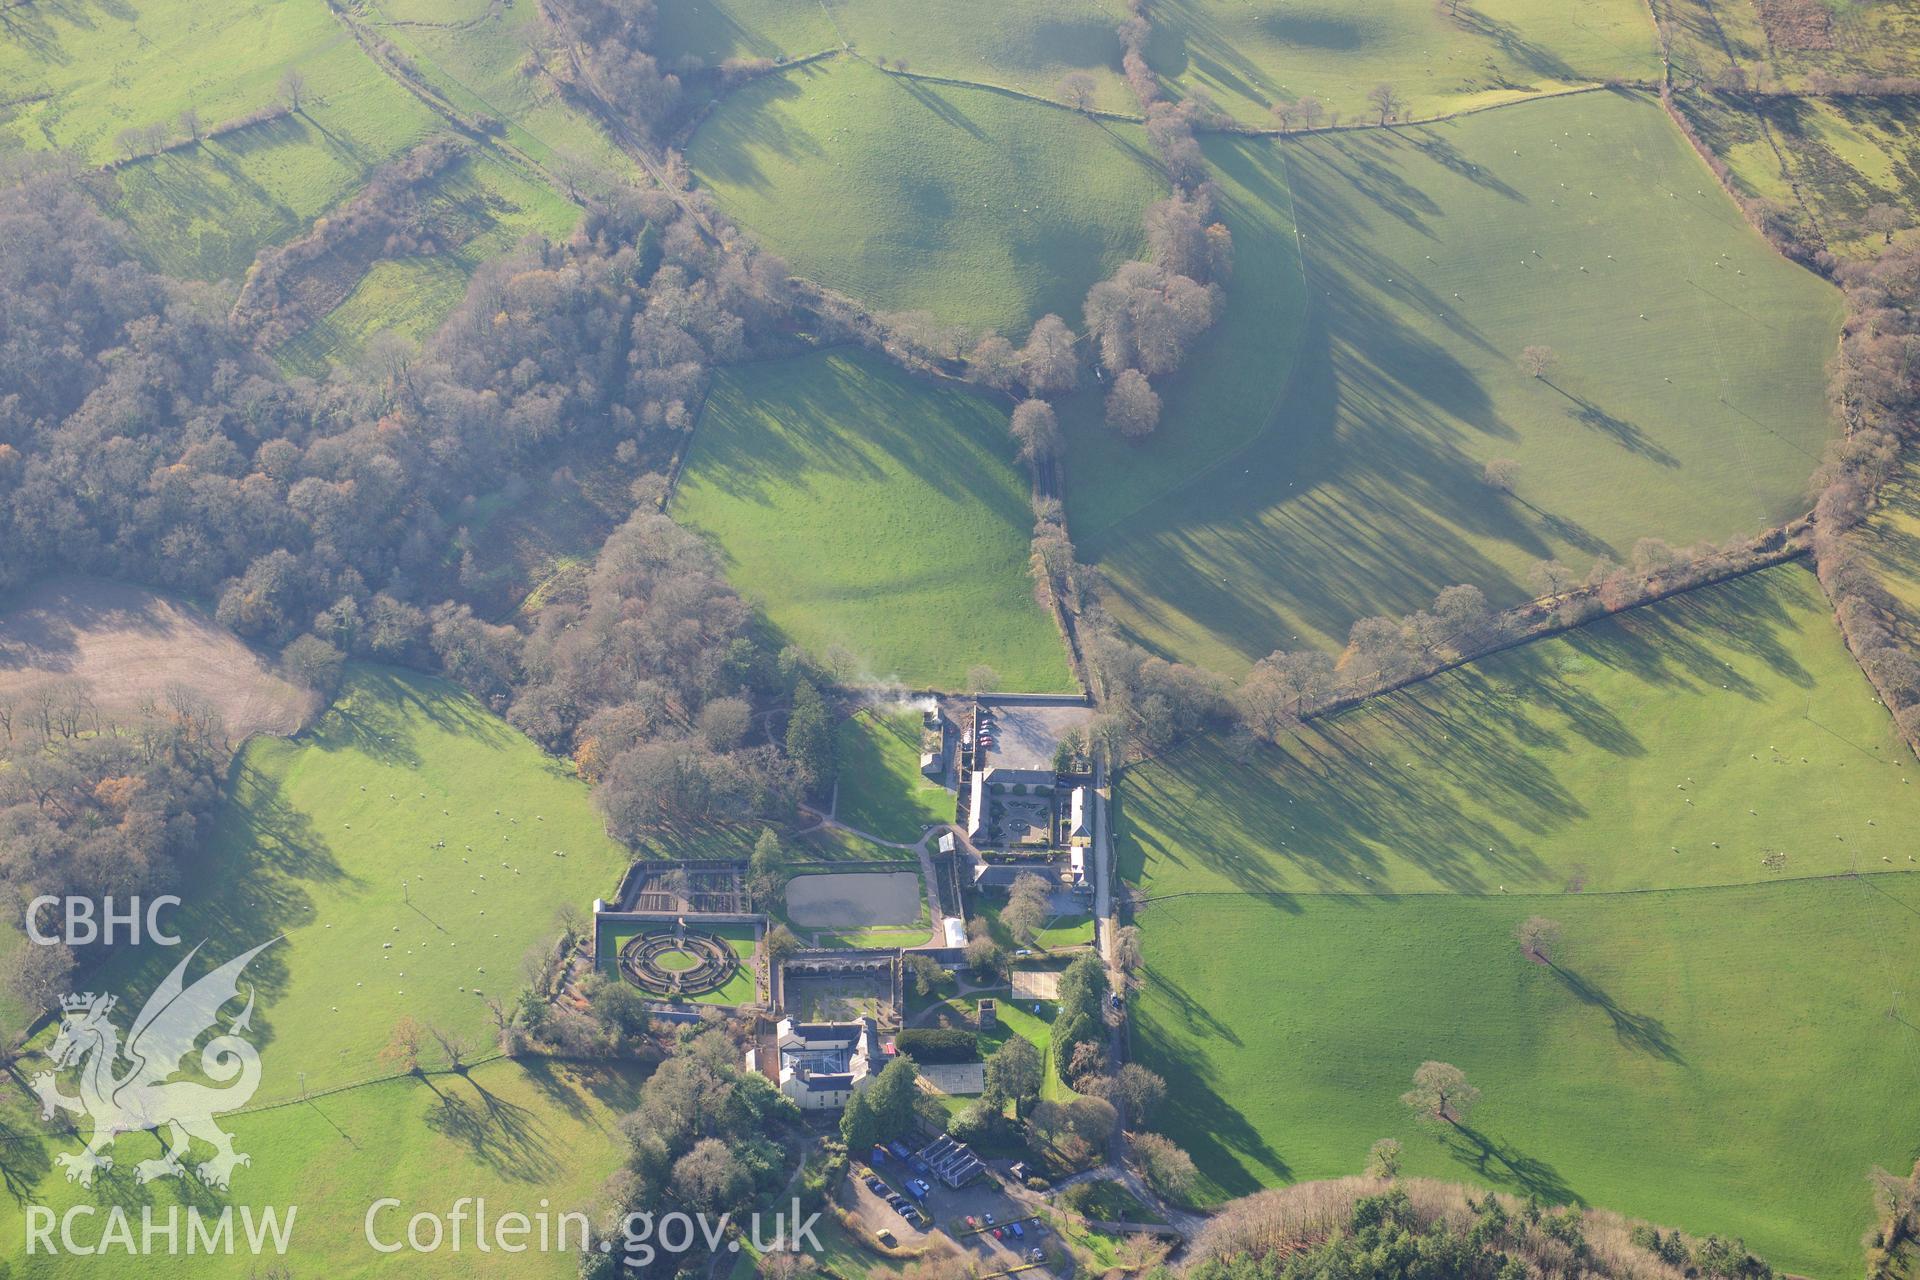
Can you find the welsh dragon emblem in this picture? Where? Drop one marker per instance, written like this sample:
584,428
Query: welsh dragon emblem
143,1096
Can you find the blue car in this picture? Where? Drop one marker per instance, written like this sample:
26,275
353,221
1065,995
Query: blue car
1019,1232
899,1149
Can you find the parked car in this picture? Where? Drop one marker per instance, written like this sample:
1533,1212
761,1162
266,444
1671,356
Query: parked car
1019,1232
886,1237
918,1165
899,1149
879,1155
989,1219
876,1186
913,1216
1034,1255
999,1234
973,1223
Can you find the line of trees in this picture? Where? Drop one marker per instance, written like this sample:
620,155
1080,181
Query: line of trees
387,218
1877,394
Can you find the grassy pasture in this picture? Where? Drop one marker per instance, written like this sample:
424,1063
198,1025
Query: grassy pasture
1840,155
1581,761
1686,401
882,790
1784,42
519,1134
81,73
860,507
980,207
1249,55
1022,44
1719,1059
713,31
476,55
329,840
485,204
85,72
1892,538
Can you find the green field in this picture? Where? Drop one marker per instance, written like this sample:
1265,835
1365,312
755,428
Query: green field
523,1135
1359,489
1719,1059
980,207
716,30
1581,761
864,509
80,74
1029,45
334,839
485,205
477,55
881,788
1826,161
1248,55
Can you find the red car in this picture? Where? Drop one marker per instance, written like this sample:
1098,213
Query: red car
972,1222
998,1234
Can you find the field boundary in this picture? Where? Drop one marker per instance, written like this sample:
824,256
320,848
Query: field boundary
1865,878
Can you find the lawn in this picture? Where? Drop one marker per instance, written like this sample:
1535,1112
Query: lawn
1724,1060
1610,758
882,790
526,1136
737,990
981,207
410,847
1073,930
1248,54
866,511
1301,489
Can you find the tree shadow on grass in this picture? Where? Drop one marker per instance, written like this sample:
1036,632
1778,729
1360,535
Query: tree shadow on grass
505,1136
1502,1164
1639,1031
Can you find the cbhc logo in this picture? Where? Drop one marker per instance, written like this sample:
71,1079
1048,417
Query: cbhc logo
82,926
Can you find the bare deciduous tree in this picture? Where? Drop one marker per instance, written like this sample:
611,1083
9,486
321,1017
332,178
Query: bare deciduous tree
1133,407
1386,101
1539,938
1078,89
1049,363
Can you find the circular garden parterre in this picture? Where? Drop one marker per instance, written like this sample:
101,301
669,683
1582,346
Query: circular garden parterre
683,963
